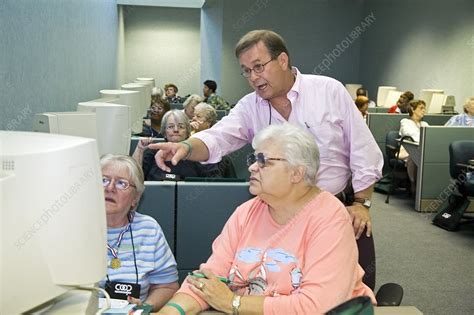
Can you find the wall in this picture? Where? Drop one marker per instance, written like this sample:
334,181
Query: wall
163,43
54,54
312,30
420,44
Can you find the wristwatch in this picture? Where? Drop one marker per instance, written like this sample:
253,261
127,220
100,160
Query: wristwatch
365,202
236,304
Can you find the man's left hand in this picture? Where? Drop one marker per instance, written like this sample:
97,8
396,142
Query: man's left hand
360,219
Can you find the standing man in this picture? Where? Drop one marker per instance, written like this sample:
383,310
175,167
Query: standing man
350,157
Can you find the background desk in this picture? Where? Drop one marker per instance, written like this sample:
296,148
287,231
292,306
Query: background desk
393,310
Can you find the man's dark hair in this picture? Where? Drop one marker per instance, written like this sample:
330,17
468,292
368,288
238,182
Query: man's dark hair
274,43
212,85
361,92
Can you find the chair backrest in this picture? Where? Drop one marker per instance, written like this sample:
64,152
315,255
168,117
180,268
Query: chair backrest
391,143
460,152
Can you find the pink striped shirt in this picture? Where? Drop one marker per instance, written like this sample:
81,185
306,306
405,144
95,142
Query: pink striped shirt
324,108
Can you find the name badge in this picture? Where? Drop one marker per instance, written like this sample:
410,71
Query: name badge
121,290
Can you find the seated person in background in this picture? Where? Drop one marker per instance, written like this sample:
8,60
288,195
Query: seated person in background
466,118
211,98
290,250
171,91
205,117
362,104
158,108
176,128
402,104
410,127
135,242
156,92
190,103
363,92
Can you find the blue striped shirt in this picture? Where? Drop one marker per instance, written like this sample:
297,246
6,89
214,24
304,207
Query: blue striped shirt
155,261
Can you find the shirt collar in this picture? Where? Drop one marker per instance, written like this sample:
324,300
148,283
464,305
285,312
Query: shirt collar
292,95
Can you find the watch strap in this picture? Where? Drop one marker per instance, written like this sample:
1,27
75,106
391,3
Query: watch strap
235,304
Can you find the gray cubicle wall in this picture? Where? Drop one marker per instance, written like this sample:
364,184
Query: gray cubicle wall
378,109
433,182
379,124
202,210
239,159
158,201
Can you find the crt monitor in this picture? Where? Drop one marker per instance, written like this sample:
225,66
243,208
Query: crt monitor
113,126
53,221
81,124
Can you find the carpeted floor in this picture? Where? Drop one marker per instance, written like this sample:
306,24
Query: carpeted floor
435,267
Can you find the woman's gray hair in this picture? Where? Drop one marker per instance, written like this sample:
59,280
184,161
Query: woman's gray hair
469,101
298,146
135,171
209,112
192,99
180,118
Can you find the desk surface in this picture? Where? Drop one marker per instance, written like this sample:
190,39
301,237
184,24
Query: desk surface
387,310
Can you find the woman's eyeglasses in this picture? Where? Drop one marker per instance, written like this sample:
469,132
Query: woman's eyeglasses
261,159
120,183
178,126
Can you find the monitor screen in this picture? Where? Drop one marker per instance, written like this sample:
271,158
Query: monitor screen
53,222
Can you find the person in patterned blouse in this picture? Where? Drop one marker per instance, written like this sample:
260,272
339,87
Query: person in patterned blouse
212,98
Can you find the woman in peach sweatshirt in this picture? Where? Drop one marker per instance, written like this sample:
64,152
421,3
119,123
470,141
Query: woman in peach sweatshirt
290,250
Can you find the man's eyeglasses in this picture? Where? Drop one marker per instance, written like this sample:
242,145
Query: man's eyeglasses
261,159
120,183
173,127
258,68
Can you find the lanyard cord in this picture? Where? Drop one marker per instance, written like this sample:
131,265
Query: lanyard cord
130,220
133,246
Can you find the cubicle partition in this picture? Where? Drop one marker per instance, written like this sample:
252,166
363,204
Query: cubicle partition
433,179
192,215
158,201
379,124
378,109
202,210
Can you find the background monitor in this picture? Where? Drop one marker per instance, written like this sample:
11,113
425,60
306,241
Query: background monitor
53,222
427,94
113,126
352,89
392,98
145,95
436,104
132,99
81,124
382,93
143,79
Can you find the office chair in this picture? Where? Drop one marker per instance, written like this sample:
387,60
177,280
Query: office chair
398,171
389,294
461,170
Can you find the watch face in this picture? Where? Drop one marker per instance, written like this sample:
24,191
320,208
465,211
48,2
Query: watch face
367,203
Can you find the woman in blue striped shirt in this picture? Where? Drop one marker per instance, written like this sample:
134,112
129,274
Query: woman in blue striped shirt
138,254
